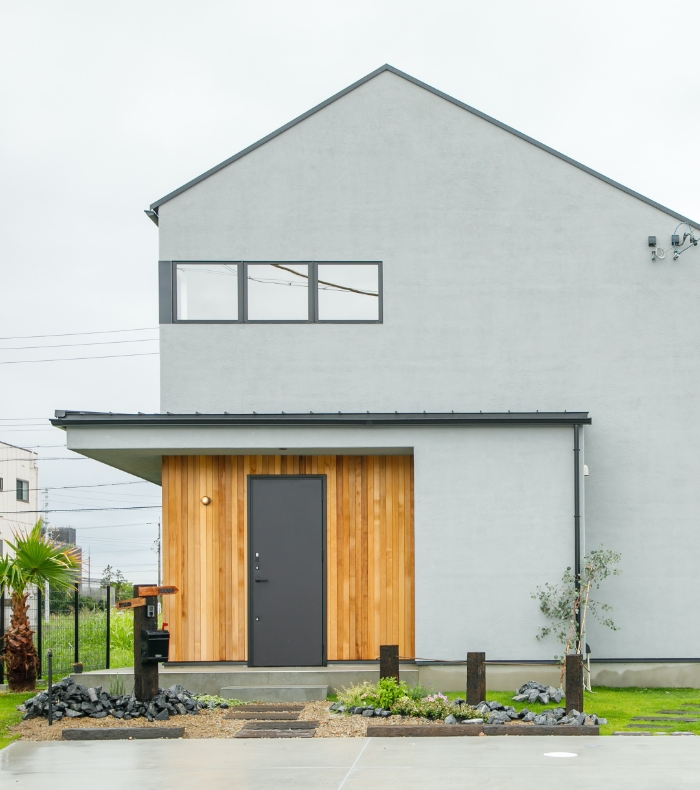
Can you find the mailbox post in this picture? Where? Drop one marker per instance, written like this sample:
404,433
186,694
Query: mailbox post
150,645
145,619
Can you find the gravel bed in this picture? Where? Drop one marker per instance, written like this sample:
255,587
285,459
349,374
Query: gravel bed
208,724
212,724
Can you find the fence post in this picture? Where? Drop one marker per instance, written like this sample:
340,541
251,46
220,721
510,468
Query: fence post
574,682
76,623
109,609
389,661
476,678
2,633
49,658
38,626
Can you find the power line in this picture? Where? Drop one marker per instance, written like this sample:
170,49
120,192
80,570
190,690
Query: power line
93,485
81,509
72,359
74,334
7,460
94,343
112,526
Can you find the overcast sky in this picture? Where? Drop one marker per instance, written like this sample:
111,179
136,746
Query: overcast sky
108,106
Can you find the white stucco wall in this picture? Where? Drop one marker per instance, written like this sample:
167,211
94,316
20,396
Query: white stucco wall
512,280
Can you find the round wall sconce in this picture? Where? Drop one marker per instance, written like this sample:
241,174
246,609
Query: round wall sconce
205,500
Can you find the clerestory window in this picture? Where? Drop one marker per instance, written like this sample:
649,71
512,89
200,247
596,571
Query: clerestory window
277,291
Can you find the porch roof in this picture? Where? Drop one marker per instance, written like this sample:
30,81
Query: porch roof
65,419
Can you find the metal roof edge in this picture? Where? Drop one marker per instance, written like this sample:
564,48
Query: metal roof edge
386,67
72,419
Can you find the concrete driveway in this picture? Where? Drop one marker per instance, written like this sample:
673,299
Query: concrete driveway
657,763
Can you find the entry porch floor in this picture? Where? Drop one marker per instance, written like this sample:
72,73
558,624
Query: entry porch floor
266,684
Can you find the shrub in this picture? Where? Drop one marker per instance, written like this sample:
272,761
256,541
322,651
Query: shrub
402,700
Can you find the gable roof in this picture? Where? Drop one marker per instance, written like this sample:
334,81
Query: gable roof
153,211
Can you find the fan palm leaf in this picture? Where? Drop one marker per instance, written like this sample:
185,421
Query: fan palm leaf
37,561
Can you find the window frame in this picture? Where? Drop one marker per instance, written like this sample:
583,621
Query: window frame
17,489
242,269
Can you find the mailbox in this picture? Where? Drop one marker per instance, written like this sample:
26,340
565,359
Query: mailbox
154,646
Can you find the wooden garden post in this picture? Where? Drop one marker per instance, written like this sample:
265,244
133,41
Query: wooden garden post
476,678
574,682
389,661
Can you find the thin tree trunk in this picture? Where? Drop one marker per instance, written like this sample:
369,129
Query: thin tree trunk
21,661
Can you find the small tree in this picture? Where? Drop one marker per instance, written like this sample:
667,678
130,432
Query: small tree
113,576
37,560
568,603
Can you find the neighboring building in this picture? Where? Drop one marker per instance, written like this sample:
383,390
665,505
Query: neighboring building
19,492
386,331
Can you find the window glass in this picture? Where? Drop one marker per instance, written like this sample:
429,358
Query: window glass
278,292
207,292
348,292
22,491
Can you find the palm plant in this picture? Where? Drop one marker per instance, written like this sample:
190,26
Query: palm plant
37,560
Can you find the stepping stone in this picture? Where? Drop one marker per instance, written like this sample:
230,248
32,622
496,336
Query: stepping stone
290,706
281,725
632,733
276,715
660,718
246,733
652,726
121,733
675,712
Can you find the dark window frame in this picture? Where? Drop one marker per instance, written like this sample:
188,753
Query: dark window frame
242,270
20,489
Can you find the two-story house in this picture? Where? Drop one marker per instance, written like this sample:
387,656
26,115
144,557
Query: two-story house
396,337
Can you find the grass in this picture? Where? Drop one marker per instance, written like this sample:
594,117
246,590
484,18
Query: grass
9,715
619,705
58,634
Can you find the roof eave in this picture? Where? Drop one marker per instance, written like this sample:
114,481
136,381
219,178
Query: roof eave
66,419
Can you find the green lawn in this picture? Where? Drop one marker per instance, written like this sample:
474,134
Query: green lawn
9,715
618,706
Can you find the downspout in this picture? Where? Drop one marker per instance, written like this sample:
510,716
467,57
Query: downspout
577,517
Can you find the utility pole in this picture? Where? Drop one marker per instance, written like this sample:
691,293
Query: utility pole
159,545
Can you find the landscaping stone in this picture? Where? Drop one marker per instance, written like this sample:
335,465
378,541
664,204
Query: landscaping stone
368,712
73,701
532,691
450,719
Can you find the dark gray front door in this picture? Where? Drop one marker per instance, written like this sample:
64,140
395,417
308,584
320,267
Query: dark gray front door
286,571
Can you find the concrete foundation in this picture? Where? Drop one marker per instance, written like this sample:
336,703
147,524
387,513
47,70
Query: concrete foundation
261,683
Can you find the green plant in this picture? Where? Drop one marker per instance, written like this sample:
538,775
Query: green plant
567,604
207,698
37,561
389,690
434,706
116,685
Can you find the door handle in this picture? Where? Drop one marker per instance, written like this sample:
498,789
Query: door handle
260,580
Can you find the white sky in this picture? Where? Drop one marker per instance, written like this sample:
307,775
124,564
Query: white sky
108,106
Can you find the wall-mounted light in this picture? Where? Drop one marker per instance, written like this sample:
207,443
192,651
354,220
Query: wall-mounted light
205,500
585,470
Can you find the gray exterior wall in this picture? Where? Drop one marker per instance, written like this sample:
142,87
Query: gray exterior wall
512,280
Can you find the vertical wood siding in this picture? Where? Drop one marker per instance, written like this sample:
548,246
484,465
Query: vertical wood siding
369,563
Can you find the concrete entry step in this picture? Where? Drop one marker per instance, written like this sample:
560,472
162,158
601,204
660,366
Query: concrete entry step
275,693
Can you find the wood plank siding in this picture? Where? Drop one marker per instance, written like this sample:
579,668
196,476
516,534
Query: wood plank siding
369,564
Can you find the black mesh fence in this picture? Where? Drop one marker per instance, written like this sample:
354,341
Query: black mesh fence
74,625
